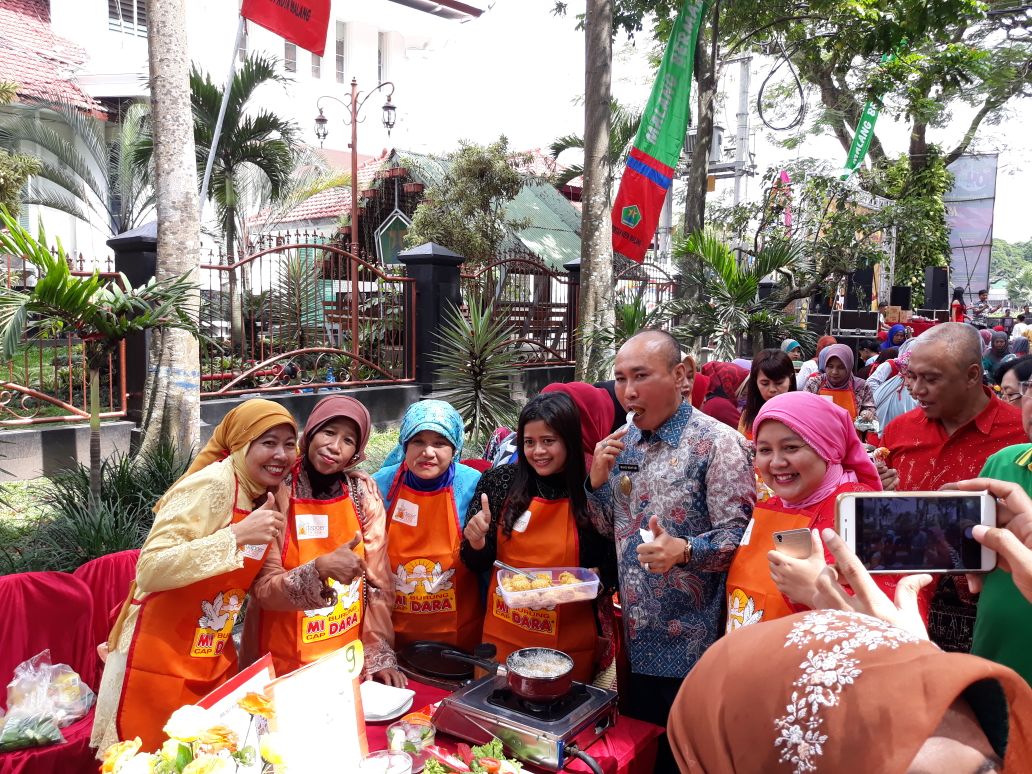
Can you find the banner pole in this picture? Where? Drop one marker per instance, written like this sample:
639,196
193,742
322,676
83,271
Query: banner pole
222,116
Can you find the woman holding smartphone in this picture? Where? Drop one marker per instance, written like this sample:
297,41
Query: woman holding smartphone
808,453
772,374
534,513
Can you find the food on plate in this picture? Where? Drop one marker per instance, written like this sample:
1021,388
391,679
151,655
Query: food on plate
542,580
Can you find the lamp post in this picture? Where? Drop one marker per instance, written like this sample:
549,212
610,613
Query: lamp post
354,106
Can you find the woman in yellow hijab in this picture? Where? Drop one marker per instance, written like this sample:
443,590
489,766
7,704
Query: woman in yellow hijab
173,641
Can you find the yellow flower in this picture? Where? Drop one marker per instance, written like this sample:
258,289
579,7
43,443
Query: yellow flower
142,763
256,704
270,747
189,722
210,764
218,738
119,753
170,750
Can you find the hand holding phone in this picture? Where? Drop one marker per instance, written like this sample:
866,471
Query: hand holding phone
795,574
903,611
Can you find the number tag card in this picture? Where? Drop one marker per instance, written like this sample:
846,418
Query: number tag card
406,512
319,713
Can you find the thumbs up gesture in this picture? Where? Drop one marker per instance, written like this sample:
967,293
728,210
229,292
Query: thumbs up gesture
343,564
664,551
477,527
262,526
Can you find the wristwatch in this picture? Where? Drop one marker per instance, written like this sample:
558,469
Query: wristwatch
687,555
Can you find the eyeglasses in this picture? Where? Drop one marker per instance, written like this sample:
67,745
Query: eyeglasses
1023,389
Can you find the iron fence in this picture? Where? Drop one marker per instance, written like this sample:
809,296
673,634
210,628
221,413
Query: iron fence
539,303
302,316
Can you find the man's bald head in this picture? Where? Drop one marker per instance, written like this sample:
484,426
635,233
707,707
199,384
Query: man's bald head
657,342
959,342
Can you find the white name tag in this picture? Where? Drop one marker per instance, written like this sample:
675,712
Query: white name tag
255,552
521,524
406,512
748,532
312,526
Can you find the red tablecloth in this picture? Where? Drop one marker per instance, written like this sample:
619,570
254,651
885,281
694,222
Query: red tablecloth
920,326
629,747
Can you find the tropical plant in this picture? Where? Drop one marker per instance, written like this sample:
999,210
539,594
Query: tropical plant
100,312
623,127
296,302
476,361
729,308
84,171
254,143
15,168
632,314
1019,289
465,210
71,528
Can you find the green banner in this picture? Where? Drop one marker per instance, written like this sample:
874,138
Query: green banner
862,139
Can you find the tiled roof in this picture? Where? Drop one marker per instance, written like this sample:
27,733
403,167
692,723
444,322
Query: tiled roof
36,59
332,202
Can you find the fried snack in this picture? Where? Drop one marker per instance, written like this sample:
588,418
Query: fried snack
566,578
541,582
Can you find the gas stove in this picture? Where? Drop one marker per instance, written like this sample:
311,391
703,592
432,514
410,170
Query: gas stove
542,734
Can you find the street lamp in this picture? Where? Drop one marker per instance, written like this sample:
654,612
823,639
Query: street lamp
354,107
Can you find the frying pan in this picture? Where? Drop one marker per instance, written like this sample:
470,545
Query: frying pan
425,657
527,686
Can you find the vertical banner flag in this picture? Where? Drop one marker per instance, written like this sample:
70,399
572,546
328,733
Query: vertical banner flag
303,22
657,146
861,139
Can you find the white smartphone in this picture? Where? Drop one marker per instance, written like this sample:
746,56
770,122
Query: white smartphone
911,532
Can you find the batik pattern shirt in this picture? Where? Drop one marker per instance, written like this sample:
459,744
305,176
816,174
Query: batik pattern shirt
694,474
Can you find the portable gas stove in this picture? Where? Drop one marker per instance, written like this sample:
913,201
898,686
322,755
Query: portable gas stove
548,735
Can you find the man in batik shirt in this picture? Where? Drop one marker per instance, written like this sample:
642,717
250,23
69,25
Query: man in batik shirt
676,489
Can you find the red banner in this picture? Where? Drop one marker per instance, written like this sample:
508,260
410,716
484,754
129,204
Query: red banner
638,204
303,22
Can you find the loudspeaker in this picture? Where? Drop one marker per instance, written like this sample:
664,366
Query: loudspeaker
854,322
859,286
937,288
900,296
818,323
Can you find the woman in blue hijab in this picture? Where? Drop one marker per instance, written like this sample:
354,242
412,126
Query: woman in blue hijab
896,336
426,492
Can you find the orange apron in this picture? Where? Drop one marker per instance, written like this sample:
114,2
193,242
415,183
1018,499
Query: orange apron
751,594
843,398
182,648
435,596
296,638
547,539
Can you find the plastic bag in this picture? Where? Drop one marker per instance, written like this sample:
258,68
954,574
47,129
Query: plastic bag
41,699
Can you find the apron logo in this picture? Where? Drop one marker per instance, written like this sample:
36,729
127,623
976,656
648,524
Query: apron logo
537,621
255,552
406,512
741,610
215,625
423,586
521,524
333,621
312,526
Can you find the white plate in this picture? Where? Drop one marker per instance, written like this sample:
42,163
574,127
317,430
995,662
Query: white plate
396,714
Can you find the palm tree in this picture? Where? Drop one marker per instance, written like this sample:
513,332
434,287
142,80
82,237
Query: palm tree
623,127
1019,289
83,172
252,142
100,312
729,308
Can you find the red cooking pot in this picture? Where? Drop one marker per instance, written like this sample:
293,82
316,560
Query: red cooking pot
534,674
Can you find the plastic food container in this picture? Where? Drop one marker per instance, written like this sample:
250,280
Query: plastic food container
413,737
557,593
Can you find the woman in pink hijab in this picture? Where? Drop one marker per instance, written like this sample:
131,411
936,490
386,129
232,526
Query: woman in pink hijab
808,453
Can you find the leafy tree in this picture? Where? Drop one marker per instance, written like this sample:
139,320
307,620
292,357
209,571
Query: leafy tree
15,168
623,127
729,309
83,170
100,312
466,210
1019,289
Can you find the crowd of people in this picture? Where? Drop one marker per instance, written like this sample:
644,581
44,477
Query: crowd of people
670,482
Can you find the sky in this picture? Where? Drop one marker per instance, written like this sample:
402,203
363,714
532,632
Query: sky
519,70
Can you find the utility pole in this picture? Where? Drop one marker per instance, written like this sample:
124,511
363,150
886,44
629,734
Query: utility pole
742,159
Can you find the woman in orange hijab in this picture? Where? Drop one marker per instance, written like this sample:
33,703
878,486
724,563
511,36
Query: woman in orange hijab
172,643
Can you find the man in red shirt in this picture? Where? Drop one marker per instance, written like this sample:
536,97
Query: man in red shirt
958,423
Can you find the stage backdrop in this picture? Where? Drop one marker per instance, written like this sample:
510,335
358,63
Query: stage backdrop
969,213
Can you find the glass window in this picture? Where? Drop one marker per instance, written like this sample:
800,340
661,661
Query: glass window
316,66
290,57
128,16
342,64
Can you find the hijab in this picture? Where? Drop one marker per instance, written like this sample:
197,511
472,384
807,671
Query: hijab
843,353
789,344
822,343
991,355
597,413
1019,346
310,482
721,402
986,335
440,417
233,436
827,429
897,328
837,672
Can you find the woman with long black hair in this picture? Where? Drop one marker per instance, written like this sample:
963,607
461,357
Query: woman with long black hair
534,513
772,374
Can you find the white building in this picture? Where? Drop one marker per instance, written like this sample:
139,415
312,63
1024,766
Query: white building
371,40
